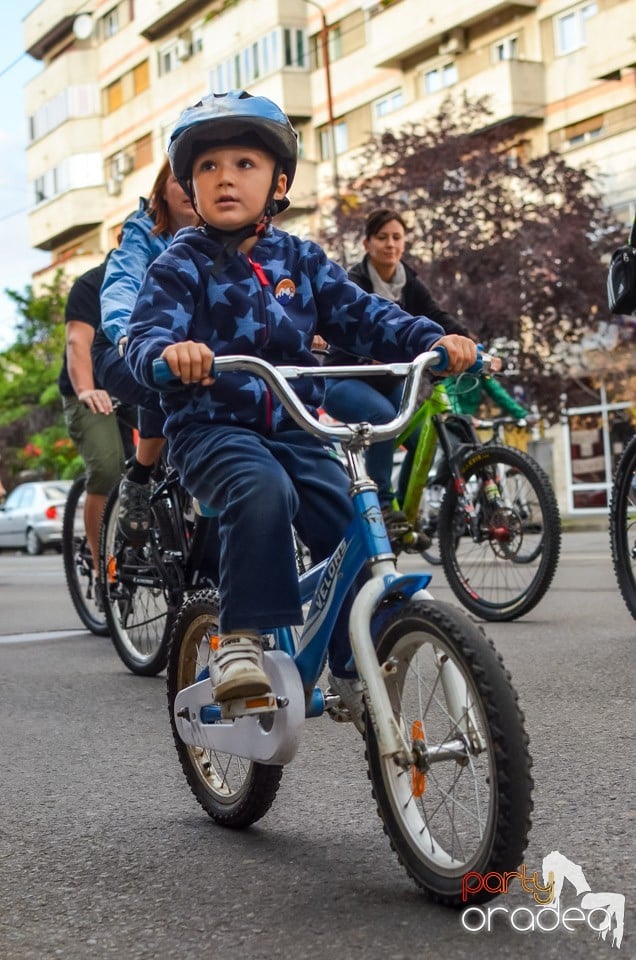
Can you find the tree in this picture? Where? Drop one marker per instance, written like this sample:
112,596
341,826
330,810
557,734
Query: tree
514,247
30,409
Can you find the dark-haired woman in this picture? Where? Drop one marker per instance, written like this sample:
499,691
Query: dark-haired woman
377,399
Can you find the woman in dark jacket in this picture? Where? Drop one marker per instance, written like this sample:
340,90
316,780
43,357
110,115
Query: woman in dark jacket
377,399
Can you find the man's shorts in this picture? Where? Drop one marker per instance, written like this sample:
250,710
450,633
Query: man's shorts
98,440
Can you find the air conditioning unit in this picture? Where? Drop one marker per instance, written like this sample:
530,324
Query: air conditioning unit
122,164
113,186
452,43
184,48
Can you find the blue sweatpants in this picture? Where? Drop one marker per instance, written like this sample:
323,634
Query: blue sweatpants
355,400
261,486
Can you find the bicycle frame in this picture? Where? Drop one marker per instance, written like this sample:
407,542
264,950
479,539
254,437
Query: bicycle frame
434,405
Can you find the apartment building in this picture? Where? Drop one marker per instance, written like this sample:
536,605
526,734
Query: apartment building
116,74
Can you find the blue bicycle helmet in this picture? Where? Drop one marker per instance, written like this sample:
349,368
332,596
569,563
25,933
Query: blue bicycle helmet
222,117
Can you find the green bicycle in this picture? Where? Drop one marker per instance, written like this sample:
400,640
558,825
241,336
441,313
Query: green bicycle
492,514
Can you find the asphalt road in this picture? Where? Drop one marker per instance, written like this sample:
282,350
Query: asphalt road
105,853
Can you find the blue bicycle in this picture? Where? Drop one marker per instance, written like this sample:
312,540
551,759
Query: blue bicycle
444,735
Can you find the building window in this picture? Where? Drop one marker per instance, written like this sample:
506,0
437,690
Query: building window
141,77
127,87
335,42
283,47
167,60
142,151
505,49
341,140
110,23
584,131
440,77
73,173
295,48
388,104
114,95
570,28
197,38
116,19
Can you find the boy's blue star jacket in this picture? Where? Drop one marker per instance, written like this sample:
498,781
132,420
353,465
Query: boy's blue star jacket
269,304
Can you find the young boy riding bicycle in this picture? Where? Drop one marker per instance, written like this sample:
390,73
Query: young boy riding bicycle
238,285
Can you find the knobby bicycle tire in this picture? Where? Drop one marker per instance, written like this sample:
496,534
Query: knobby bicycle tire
469,810
622,521
78,563
235,792
136,596
502,565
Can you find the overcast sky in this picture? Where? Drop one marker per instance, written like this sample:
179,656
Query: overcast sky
17,259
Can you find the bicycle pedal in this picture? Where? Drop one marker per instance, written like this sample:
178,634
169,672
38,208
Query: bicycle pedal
248,706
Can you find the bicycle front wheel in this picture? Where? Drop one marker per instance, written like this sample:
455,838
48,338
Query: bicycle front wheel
465,803
136,594
78,563
235,792
506,558
623,525
428,522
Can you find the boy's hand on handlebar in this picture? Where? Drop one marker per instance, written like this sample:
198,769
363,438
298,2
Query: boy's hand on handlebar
462,352
190,361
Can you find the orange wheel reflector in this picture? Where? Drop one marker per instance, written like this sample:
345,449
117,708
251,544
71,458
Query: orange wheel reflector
111,567
254,703
417,777
215,640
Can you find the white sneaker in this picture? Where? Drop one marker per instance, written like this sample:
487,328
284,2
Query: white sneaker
237,669
350,693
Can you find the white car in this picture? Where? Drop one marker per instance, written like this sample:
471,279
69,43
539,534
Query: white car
31,517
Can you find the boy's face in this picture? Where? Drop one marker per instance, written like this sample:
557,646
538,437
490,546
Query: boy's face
231,185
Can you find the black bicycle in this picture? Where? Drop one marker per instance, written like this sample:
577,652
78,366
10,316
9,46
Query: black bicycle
144,584
79,570
78,563
622,522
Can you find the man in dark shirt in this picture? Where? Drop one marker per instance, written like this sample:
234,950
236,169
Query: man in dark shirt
88,409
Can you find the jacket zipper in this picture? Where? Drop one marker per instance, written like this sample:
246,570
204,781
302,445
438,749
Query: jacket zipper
264,282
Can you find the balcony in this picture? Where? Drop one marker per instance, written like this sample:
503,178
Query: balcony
289,88
48,23
77,67
614,47
66,217
159,17
407,26
515,89
74,137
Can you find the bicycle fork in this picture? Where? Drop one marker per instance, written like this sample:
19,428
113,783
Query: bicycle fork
387,584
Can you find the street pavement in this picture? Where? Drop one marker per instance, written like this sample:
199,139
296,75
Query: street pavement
105,853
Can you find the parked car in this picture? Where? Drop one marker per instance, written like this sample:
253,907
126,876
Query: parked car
31,517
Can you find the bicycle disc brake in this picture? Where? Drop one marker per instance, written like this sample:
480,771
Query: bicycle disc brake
505,532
